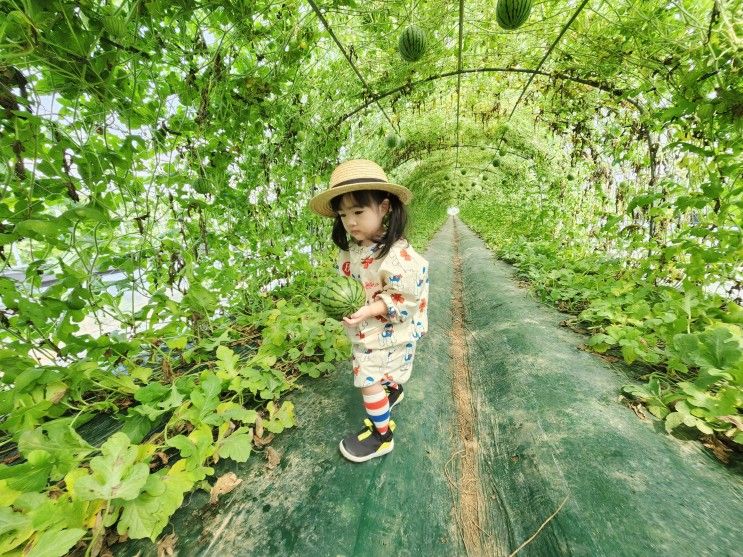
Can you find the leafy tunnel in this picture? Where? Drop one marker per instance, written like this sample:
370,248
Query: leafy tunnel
159,268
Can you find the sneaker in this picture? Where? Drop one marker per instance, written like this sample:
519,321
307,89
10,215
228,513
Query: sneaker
394,395
368,443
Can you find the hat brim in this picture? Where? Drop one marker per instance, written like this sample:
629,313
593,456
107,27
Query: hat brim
320,204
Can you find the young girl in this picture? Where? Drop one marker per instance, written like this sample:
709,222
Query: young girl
383,332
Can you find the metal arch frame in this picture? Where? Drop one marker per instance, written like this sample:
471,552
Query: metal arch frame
325,23
409,86
546,54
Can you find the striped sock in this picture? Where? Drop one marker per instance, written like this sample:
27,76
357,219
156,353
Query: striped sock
378,408
390,384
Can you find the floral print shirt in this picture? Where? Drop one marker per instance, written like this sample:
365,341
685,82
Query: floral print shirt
400,279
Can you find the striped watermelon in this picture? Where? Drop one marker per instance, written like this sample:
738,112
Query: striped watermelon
511,14
412,43
342,296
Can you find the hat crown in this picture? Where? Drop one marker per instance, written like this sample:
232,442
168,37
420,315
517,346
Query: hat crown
357,170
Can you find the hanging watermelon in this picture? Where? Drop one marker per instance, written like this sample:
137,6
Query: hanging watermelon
511,14
412,44
496,163
391,141
342,296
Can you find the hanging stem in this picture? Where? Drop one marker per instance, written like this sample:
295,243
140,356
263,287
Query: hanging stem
546,54
348,58
408,87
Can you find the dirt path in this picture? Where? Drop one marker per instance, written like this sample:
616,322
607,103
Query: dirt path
471,504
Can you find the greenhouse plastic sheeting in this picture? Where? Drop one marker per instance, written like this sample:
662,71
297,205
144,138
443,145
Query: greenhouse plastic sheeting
550,428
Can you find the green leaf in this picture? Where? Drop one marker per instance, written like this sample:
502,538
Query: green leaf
235,412
39,229
116,473
211,385
148,514
279,419
227,357
643,200
691,148
30,476
658,409
195,448
714,348
141,374
90,213
673,420
733,313
629,353
227,362
719,349
200,299
54,514
151,393
10,520
136,426
57,543
178,343
237,446
63,444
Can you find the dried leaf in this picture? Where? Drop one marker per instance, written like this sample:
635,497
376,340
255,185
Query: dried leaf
167,371
735,420
637,409
718,449
57,396
273,457
166,545
263,441
258,426
98,536
224,484
162,456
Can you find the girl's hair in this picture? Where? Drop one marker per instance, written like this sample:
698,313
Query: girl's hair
397,218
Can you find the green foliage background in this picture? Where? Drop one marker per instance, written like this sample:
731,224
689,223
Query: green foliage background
178,142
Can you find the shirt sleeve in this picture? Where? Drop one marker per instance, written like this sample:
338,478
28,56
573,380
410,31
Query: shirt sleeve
401,286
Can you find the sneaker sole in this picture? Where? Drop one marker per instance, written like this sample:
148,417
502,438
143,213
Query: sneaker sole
353,458
402,396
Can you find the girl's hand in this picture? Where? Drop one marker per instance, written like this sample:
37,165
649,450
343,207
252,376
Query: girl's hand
357,317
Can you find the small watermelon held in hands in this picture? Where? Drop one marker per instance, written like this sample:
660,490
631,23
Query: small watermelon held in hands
412,44
511,14
342,296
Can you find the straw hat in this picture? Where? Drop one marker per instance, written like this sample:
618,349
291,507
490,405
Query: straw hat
353,175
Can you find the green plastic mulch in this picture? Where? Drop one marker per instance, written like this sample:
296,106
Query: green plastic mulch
550,430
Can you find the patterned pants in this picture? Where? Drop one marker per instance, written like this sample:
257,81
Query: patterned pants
393,363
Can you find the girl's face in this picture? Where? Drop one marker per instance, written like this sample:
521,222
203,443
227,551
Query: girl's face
364,224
